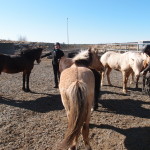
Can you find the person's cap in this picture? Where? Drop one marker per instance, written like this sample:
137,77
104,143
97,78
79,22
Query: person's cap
57,43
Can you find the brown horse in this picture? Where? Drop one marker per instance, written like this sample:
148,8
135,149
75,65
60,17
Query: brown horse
22,62
77,93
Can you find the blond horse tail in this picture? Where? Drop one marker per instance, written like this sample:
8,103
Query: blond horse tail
77,96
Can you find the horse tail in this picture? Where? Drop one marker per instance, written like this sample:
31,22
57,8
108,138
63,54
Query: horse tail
77,96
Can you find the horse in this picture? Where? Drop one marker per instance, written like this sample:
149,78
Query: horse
22,62
127,63
66,62
146,84
146,50
77,94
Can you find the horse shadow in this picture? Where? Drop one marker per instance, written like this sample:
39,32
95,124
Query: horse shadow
128,88
102,92
126,107
136,138
41,105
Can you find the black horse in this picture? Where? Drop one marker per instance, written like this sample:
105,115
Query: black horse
22,62
146,75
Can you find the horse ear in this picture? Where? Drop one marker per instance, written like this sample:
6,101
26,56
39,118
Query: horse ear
90,50
96,50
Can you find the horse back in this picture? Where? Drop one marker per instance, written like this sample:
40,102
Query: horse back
73,74
64,63
14,63
112,59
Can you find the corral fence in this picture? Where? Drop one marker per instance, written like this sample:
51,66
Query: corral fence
121,47
11,48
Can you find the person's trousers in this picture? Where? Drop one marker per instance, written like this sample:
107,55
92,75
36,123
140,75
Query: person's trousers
56,73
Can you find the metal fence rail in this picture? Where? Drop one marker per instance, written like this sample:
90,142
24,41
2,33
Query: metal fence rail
121,47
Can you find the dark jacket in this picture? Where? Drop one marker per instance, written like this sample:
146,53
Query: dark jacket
56,55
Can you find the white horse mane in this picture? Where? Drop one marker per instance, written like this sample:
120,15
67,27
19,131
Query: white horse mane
82,55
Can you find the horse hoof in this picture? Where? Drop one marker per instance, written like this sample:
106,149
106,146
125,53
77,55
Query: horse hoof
28,90
88,147
92,109
24,89
73,148
95,107
124,92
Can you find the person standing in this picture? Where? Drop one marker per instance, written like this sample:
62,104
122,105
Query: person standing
57,53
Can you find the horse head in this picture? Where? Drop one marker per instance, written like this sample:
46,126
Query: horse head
146,50
138,62
38,55
96,63
146,60
89,58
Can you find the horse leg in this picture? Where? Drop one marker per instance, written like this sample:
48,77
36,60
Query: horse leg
74,145
24,78
97,88
108,75
28,76
102,78
124,82
137,80
127,77
132,78
85,132
143,88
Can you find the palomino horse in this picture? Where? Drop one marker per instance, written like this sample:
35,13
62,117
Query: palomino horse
127,63
22,62
66,62
77,94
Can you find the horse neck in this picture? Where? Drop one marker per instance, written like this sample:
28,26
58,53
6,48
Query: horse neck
96,64
33,55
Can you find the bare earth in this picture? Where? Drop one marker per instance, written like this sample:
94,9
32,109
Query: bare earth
37,120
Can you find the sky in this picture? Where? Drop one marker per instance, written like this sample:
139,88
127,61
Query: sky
75,21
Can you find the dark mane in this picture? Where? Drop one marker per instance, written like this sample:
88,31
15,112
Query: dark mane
31,53
146,50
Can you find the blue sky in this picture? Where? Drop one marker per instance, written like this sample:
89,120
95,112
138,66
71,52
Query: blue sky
89,21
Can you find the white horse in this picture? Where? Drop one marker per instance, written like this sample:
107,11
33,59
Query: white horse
127,63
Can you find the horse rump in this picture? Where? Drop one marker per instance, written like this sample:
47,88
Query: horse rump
77,96
146,84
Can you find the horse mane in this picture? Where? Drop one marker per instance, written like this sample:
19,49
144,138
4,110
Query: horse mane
83,58
146,50
29,50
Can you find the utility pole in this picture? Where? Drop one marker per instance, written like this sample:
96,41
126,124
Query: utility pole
67,33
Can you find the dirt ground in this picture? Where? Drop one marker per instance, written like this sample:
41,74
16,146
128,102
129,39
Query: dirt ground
37,120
